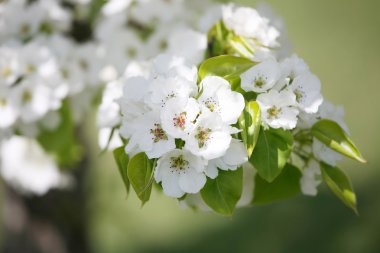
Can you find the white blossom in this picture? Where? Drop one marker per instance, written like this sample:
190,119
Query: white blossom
8,109
261,77
180,172
235,156
277,109
149,136
217,97
210,138
247,22
311,178
25,166
307,89
178,116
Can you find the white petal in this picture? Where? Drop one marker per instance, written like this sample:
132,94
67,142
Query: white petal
211,169
231,105
170,185
192,181
268,72
236,154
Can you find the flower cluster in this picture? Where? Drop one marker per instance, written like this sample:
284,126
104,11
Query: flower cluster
246,124
57,55
43,72
206,101
187,127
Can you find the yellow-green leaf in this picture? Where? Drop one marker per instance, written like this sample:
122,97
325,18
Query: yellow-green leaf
226,66
331,134
249,123
339,184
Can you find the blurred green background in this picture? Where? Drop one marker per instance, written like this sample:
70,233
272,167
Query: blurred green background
340,41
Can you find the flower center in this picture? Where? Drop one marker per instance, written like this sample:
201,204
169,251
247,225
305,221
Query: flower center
83,64
273,112
158,133
163,44
131,52
26,97
211,104
6,72
179,163
30,68
260,81
202,135
3,102
180,121
25,28
299,95
65,73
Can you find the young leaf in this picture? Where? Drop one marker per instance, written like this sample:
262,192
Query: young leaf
122,160
331,134
222,193
226,66
249,123
286,185
62,142
271,153
339,184
218,37
140,173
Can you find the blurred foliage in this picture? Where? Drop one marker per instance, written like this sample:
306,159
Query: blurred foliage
340,42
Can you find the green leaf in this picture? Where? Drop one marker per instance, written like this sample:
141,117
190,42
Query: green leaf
222,41
339,184
122,160
222,193
226,66
95,7
286,185
140,174
271,153
218,38
62,142
249,122
331,134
